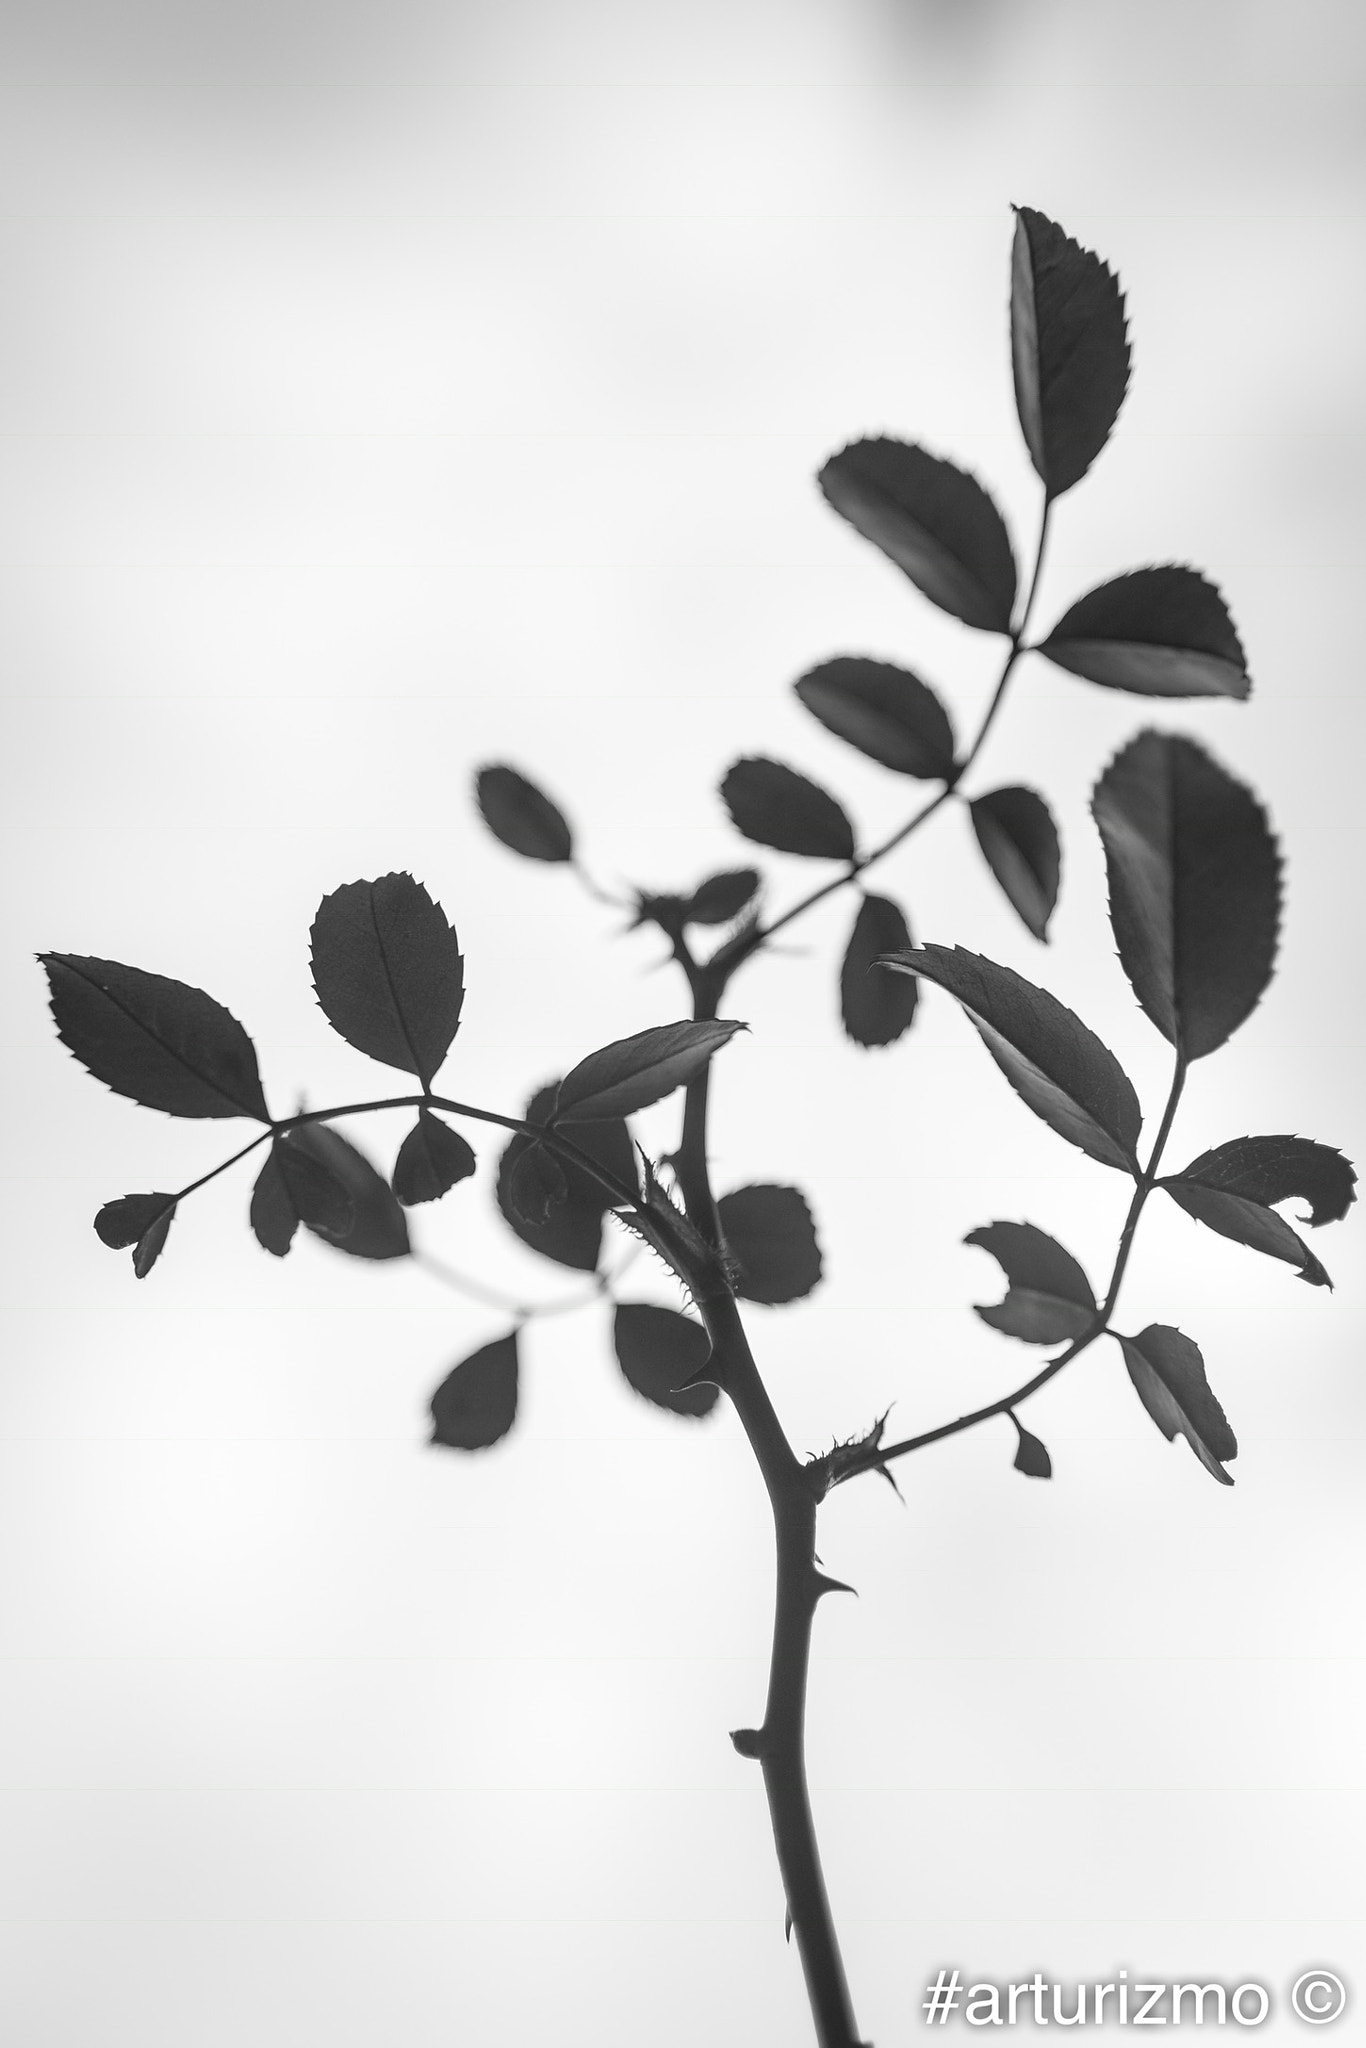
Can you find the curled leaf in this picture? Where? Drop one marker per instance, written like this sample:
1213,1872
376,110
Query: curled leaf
476,1403
431,1159
770,1234
876,1007
1019,843
775,806
388,972
1246,1222
1162,632
659,1352
1069,349
164,1044
885,711
141,1221
522,816
1049,1298
1169,1376
1280,1169
378,1228
571,1233
633,1072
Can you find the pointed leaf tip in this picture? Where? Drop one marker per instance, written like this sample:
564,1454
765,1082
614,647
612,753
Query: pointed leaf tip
476,1404
522,816
159,1042
1168,1373
388,972
1069,349
1031,1454
633,1072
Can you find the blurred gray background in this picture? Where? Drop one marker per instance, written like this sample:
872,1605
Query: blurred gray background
387,390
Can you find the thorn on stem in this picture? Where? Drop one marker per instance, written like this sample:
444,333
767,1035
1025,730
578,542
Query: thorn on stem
748,1742
824,1584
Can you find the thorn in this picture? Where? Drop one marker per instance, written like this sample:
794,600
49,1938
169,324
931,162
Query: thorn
887,1474
825,1584
748,1742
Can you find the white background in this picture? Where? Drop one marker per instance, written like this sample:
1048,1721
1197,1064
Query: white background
387,390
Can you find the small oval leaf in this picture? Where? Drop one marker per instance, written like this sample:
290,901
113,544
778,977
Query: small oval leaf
1194,888
476,1403
160,1042
769,1233
1049,1298
571,1233
932,519
388,972
1031,1456
1050,1058
1280,1169
141,1221
775,806
658,1350
431,1159
1069,349
1162,632
378,1228
721,897
886,712
876,1007
274,1218
634,1072
522,816
1019,843
1169,1375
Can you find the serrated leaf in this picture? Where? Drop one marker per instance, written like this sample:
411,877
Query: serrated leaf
537,1183
141,1221
770,1234
633,1072
876,1008
1031,1455
657,1350
274,1218
378,1228
1194,888
886,712
1069,349
720,897
1280,1169
522,816
934,520
388,972
775,806
1050,1058
1049,1298
1169,1376
1019,843
572,1232
1246,1222
431,1159
160,1042
1163,632
476,1403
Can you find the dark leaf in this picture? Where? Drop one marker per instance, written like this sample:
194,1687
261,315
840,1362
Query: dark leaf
379,1228
316,1194
1169,1374
657,1350
1049,1298
1246,1222
636,1071
431,1159
388,972
1019,841
1050,1058
769,1233
476,1403
776,806
884,711
274,1217
537,1183
522,816
572,1232
1069,349
1031,1456
935,522
166,1045
1158,632
1194,888
721,897
1280,1169
876,1007
141,1221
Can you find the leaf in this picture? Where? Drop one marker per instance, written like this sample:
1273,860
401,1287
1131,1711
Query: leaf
1031,1456
431,1159
1019,842
1246,1222
657,1350
1049,1298
476,1403
537,1183
1069,349
378,1228
317,1195
876,1007
935,522
1169,1374
572,1232
721,897
1194,888
164,1044
1050,1058
274,1218
522,816
884,711
634,1072
769,1233
141,1221
388,972
1158,632
1280,1169
776,806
